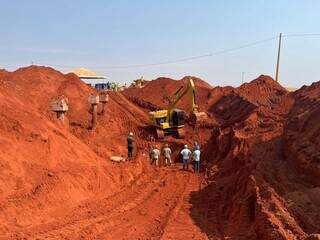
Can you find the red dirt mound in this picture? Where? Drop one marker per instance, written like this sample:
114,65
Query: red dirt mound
42,166
302,133
254,193
48,168
258,103
36,86
163,88
263,91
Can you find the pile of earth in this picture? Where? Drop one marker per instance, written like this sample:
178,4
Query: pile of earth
253,189
45,164
158,92
259,105
302,133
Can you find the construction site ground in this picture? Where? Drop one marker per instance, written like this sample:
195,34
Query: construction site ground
259,175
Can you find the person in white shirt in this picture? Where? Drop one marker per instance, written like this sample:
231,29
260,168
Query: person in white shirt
156,155
196,158
185,157
167,154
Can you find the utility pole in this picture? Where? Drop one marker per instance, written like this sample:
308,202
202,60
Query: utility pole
278,59
242,77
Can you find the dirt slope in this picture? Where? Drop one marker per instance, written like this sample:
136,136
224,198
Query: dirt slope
163,88
302,131
254,191
46,167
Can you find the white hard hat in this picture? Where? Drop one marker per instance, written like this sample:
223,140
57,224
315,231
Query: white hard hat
186,146
131,134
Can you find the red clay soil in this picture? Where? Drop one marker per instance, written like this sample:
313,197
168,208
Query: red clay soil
302,133
163,88
259,179
46,167
253,190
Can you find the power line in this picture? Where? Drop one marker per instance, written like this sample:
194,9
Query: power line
191,58
159,63
178,60
302,35
198,57
245,46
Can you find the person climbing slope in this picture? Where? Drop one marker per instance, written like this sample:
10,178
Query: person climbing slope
185,157
167,155
130,141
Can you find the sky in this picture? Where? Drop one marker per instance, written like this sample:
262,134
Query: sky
110,37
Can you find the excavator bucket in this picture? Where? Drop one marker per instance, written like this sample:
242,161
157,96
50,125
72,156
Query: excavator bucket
197,117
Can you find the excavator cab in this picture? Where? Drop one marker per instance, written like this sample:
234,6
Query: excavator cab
178,117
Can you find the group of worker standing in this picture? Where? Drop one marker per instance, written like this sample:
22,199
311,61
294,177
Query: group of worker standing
155,154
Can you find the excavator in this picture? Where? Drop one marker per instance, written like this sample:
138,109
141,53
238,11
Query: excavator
171,120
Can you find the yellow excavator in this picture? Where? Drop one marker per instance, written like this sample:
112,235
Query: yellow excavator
172,120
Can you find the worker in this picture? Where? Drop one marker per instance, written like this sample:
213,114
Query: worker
108,85
151,138
167,155
196,146
130,145
185,157
156,155
196,160
113,86
150,148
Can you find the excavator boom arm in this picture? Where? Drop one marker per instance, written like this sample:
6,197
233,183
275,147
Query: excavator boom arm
190,90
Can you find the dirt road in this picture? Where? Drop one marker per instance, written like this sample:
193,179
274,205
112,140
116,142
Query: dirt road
155,206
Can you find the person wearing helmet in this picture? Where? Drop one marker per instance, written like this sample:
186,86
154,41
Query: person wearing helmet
167,154
185,157
130,141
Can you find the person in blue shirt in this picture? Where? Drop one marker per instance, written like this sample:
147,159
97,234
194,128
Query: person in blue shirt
185,157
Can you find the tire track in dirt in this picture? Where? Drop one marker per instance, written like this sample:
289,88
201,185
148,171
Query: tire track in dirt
121,198
147,220
180,225
142,210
